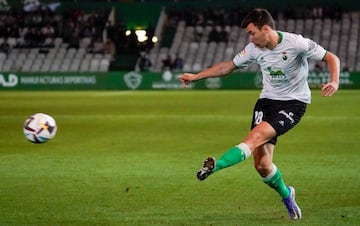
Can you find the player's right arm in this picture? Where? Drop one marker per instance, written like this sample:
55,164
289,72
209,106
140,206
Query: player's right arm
217,70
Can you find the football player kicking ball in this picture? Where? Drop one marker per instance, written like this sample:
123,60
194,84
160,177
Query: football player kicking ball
282,57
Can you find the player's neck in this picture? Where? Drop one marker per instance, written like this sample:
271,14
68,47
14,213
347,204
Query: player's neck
274,39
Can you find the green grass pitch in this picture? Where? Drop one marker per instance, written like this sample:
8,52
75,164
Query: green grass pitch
129,158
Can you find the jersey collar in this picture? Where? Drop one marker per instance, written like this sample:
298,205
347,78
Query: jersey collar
281,36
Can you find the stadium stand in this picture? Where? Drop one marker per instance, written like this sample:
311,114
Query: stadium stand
41,40
72,40
196,42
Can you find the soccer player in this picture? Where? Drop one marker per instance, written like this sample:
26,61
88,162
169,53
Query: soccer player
283,58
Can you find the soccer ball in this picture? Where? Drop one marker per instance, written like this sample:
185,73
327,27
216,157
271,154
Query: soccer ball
39,128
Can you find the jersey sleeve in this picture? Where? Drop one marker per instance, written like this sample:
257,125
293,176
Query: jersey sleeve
243,59
311,49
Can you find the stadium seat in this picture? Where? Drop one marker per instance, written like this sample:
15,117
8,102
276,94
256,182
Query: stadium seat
2,57
80,53
70,53
89,56
6,67
94,65
11,41
55,67
57,42
45,67
52,53
64,67
85,65
98,56
35,67
197,67
74,67
299,26
85,42
104,65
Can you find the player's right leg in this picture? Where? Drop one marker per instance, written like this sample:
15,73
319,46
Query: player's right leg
232,156
207,168
260,134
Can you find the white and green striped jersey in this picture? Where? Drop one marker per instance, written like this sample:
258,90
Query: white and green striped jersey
285,69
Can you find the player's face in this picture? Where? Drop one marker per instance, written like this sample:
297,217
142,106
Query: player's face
256,35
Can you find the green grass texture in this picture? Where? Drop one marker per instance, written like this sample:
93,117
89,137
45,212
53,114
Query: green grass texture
130,158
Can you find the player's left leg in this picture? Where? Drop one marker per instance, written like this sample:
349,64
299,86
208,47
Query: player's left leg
271,175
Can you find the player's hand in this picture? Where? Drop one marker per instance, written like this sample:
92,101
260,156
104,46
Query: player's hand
329,88
186,79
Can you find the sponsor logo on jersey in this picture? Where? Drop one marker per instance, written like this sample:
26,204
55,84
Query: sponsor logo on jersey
274,72
242,53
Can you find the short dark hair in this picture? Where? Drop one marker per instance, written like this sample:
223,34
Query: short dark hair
259,17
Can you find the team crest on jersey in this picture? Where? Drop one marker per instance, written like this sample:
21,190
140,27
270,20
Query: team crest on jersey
284,56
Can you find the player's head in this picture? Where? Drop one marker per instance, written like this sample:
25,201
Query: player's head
258,23
259,17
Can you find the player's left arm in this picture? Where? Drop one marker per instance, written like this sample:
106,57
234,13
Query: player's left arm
333,62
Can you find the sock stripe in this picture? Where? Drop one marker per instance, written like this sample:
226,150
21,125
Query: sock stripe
245,149
272,173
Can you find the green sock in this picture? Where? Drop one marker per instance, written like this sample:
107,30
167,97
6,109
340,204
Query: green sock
275,181
232,156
